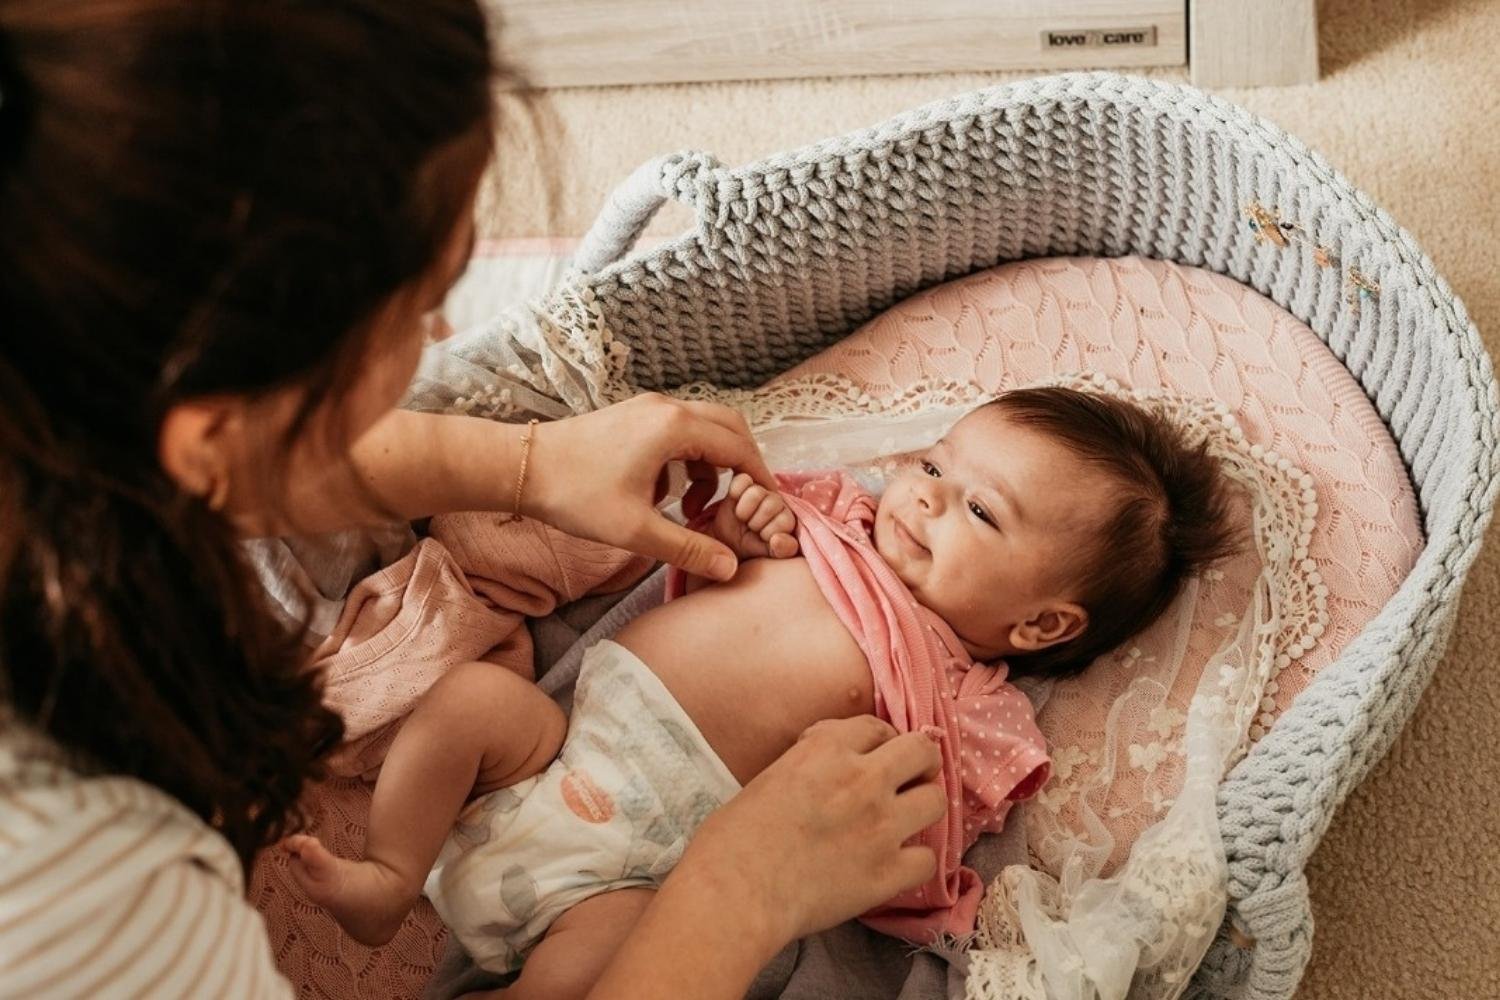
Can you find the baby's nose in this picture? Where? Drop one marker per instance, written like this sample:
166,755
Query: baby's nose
930,496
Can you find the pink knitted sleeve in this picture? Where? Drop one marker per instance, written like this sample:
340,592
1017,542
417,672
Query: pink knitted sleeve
1004,753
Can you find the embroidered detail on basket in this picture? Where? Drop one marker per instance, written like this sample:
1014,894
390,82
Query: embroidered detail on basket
1361,288
1269,227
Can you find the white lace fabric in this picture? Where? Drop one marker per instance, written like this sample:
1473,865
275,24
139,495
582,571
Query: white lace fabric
1096,914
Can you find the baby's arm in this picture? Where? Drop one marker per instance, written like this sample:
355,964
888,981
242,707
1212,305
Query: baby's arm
754,521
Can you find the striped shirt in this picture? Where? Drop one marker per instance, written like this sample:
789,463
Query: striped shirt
111,888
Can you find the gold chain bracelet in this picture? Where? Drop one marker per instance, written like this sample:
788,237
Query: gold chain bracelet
525,461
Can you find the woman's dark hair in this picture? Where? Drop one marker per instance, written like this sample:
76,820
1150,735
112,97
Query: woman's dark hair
1171,517
198,197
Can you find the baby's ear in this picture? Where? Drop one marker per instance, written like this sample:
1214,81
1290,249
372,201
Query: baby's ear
1055,623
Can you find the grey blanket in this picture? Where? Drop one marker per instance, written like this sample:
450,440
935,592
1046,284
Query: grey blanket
849,962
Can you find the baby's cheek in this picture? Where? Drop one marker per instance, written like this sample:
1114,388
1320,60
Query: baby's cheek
948,584
1028,582
973,582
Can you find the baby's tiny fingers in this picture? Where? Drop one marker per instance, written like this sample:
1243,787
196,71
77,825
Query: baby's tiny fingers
752,546
749,502
783,524
770,508
739,484
782,546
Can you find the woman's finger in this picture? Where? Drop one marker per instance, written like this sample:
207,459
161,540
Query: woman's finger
860,733
690,551
919,807
735,448
909,757
725,416
912,867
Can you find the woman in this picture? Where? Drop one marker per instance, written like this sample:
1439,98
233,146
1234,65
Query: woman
223,226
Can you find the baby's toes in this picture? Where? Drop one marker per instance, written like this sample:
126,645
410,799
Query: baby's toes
310,859
296,843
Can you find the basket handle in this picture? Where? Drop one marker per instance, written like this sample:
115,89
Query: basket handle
625,215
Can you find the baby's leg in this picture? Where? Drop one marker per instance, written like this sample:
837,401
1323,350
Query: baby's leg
479,728
578,946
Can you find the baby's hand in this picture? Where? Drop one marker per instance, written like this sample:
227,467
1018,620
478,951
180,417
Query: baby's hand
754,521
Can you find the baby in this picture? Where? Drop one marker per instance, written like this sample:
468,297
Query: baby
1043,529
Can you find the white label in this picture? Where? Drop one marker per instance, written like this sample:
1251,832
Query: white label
1099,38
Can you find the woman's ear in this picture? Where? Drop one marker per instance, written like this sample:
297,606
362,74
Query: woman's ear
1054,624
192,449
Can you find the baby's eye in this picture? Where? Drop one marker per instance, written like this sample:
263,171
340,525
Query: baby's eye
980,513
931,469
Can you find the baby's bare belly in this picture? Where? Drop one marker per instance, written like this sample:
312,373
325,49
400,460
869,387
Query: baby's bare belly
755,661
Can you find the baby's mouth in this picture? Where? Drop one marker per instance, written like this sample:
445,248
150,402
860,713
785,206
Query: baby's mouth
907,539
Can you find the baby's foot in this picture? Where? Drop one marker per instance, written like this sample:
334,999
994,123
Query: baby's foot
367,898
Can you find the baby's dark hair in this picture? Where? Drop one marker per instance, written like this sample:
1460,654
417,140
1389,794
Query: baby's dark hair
1172,521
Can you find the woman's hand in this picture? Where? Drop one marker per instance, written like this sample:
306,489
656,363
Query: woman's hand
600,475
820,835
817,838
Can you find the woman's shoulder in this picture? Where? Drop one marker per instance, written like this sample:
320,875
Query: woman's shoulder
107,882
51,809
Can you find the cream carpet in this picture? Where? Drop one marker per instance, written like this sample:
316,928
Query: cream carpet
1406,886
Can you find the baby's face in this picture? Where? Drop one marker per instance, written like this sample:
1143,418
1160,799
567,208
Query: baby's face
982,525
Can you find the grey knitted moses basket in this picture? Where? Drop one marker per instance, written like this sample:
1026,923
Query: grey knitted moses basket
792,253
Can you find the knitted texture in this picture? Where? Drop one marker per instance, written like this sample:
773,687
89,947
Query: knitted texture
793,252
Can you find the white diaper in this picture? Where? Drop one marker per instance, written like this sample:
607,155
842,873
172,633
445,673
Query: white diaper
634,780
